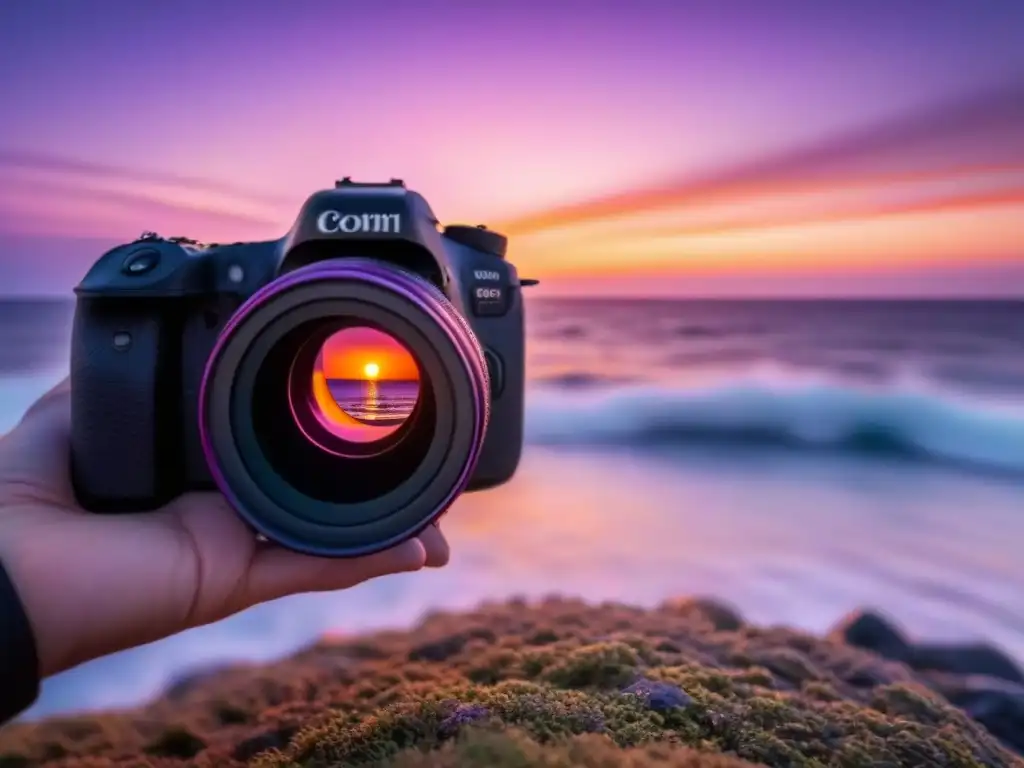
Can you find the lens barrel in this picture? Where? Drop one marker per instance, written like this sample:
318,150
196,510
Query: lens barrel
295,480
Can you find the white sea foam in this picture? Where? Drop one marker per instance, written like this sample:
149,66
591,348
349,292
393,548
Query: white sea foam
911,420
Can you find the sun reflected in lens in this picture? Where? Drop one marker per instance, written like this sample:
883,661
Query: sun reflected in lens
365,384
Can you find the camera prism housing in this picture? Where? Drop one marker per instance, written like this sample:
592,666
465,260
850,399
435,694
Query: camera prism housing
191,369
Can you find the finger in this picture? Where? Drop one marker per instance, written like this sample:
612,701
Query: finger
436,547
276,572
57,393
36,453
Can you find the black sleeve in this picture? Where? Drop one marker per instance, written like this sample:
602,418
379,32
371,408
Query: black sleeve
19,666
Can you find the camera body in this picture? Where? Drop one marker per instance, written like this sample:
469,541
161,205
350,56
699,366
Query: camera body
148,314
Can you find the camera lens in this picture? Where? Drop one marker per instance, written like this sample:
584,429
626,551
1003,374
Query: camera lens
364,385
343,407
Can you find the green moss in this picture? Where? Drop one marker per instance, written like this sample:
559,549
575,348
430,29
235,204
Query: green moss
514,749
602,665
519,685
771,728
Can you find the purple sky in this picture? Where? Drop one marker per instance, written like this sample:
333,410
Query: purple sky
214,119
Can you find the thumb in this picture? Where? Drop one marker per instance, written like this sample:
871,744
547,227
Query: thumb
277,572
35,455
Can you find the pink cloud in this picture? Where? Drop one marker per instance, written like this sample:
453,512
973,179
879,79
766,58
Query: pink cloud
982,129
76,168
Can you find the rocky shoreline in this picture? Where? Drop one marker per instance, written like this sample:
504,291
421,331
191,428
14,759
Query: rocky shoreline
562,683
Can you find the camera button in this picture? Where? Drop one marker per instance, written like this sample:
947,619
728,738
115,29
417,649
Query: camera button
496,372
140,262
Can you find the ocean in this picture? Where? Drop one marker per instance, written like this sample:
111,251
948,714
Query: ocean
376,403
798,459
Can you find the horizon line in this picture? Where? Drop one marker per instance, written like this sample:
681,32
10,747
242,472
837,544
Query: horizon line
403,381
995,297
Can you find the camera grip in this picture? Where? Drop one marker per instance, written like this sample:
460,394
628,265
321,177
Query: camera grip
123,407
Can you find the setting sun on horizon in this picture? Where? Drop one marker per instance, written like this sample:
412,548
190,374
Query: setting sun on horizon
365,354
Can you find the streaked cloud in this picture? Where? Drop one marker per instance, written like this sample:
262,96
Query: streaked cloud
980,132
85,170
932,189
58,195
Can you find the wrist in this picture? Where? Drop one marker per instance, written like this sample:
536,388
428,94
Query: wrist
19,661
18,564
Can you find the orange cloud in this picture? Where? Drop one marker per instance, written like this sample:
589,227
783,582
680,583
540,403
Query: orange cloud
936,188
965,235
813,204
982,131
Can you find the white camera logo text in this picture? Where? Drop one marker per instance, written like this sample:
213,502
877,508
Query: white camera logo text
333,222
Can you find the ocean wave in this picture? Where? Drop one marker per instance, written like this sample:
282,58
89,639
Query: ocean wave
913,423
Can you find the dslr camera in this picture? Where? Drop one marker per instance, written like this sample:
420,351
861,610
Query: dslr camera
340,386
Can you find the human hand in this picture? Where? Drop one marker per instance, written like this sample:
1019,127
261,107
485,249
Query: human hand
95,584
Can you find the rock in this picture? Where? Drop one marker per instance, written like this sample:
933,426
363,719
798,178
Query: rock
873,632
997,704
659,696
719,615
463,715
969,659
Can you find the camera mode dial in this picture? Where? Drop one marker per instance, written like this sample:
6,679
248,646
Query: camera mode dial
347,182
479,238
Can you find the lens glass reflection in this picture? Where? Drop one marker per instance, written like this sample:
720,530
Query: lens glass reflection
365,384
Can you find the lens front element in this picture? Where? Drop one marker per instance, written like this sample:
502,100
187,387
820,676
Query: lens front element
365,384
344,407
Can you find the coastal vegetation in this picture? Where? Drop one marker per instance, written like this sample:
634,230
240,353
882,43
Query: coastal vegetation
554,683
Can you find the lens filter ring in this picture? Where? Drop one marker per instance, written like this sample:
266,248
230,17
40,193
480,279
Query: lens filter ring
302,496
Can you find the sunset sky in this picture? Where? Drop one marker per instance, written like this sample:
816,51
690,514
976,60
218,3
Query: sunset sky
347,353
686,147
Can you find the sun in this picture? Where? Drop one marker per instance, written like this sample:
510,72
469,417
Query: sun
371,370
